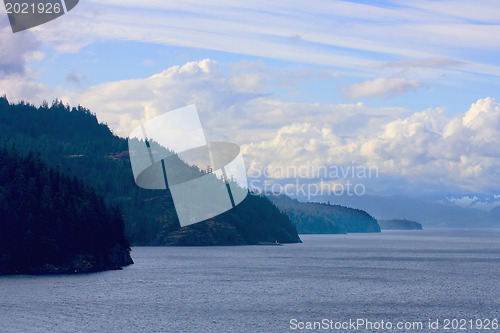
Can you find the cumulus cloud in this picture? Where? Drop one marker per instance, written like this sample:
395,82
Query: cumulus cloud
381,86
427,148
124,104
234,104
486,203
464,202
16,50
17,78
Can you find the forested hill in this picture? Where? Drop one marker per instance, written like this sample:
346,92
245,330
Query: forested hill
53,223
322,218
73,140
402,224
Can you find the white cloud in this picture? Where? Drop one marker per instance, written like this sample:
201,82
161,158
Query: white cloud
348,36
424,63
482,10
379,87
479,110
234,104
123,104
464,202
16,50
429,150
485,203
18,87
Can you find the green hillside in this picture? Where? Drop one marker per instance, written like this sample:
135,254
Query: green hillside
322,218
73,140
399,224
53,223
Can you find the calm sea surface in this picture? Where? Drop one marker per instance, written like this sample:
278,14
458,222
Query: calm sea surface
396,276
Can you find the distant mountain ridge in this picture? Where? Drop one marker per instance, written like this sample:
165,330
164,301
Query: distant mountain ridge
323,218
399,225
73,140
495,212
429,214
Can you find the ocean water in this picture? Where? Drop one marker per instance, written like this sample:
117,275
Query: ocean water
398,277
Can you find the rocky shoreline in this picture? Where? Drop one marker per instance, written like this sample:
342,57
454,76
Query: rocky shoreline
80,264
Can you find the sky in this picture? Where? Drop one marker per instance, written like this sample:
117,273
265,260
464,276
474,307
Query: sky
408,88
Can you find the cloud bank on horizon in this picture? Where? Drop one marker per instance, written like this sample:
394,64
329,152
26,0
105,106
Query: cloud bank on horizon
375,62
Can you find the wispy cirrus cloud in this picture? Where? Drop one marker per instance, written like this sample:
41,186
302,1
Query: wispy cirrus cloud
424,63
349,36
378,87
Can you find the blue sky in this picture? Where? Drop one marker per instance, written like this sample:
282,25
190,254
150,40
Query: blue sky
410,87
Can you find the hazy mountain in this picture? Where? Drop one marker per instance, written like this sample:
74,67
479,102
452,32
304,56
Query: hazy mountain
72,140
323,218
399,225
495,212
429,214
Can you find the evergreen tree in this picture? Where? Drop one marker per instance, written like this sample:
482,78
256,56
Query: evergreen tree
49,221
